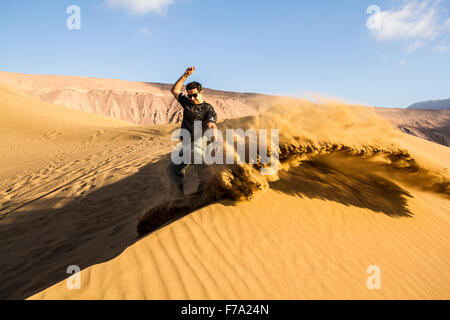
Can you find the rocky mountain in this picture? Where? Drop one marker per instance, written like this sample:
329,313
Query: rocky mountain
136,102
432,125
432,105
146,103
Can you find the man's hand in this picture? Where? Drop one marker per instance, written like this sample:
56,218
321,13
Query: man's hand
189,71
176,89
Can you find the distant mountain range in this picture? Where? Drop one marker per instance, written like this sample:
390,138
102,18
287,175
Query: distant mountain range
432,105
152,103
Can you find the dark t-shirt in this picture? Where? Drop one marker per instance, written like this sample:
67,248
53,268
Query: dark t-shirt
203,112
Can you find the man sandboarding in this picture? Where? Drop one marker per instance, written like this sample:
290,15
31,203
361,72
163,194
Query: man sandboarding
194,109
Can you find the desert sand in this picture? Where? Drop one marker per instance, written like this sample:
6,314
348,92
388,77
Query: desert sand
353,191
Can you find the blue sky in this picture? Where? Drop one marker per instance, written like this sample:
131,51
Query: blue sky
293,48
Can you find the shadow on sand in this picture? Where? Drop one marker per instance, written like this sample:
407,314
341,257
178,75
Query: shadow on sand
97,227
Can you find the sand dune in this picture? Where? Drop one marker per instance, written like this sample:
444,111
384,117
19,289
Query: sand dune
281,247
353,192
52,159
33,131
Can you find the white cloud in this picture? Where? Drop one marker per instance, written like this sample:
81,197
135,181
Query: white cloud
141,7
415,20
145,32
443,46
414,46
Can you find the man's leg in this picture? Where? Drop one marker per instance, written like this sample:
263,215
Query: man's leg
176,173
199,168
200,148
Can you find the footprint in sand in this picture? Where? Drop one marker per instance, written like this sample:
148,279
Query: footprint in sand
54,133
92,183
97,135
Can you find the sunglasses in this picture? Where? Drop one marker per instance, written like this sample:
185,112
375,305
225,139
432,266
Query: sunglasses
194,95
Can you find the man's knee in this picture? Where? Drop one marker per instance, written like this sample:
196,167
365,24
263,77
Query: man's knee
178,171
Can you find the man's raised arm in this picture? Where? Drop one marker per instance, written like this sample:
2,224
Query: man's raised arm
176,89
